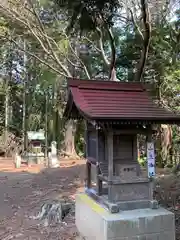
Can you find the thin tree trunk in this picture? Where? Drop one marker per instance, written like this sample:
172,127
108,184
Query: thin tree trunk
46,128
70,138
159,158
7,92
6,113
24,116
58,127
54,112
24,102
146,36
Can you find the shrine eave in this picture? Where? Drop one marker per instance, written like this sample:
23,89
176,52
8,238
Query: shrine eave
114,103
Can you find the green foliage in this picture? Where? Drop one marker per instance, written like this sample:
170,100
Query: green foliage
63,45
87,15
45,93
142,161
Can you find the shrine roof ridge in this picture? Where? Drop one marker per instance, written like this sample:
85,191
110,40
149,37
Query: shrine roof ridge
105,84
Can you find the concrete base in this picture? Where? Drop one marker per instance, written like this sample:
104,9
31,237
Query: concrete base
96,223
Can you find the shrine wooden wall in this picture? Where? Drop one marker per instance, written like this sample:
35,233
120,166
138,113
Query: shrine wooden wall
124,146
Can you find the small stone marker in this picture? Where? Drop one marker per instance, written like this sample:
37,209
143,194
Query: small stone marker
53,160
17,160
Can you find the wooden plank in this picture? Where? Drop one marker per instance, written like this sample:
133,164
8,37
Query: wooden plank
135,149
110,154
103,168
135,155
88,175
101,146
130,131
97,145
88,165
98,184
110,163
123,147
86,139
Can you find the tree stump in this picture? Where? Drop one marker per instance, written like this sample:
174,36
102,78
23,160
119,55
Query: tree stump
54,212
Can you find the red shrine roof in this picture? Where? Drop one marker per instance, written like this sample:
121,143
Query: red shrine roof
108,100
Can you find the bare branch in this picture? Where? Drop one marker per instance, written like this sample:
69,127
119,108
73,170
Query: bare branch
38,38
146,40
39,59
105,59
38,31
35,14
17,16
73,64
48,42
113,48
136,25
113,52
80,60
93,44
13,14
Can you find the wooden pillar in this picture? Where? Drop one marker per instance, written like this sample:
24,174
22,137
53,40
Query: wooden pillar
85,139
135,149
98,181
110,154
88,165
88,175
110,162
136,155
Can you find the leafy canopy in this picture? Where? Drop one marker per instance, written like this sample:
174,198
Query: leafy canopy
88,14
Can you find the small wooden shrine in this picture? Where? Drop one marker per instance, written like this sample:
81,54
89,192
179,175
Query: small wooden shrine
35,140
114,114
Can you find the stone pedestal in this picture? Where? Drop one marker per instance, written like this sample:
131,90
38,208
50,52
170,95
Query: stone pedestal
96,223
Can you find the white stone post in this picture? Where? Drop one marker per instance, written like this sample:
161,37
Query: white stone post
53,155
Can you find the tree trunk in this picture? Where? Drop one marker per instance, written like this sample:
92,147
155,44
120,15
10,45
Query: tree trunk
54,112
164,138
46,128
164,146
70,138
24,116
166,143
24,103
6,114
57,127
146,36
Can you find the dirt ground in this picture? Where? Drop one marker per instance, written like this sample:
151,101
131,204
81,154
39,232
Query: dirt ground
24,190
167,192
